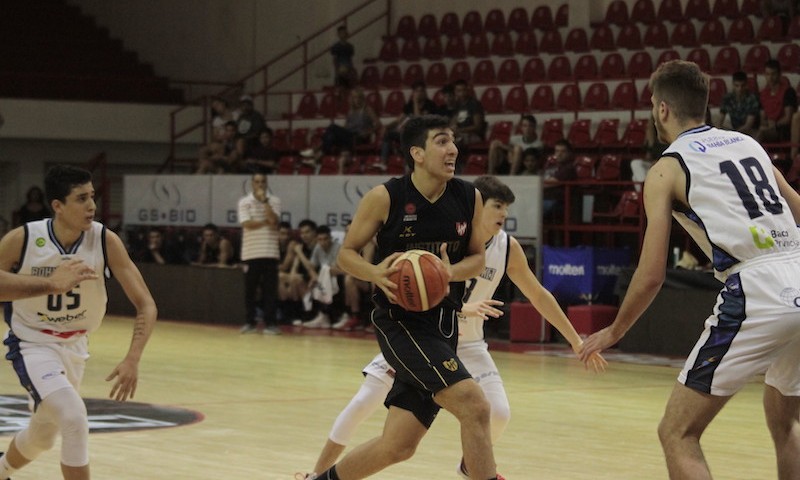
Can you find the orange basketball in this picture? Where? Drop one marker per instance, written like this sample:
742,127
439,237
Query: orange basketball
421,280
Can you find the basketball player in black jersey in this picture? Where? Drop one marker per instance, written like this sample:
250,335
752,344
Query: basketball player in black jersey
428,209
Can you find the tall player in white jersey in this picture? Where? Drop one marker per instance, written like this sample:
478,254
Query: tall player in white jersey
47,341
722,187
504,255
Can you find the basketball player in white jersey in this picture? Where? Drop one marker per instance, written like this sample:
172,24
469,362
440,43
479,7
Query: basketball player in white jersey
47,341
504,255
722,187
63,279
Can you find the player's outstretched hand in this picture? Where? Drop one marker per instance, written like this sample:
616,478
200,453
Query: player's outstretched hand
483,309
69,274
384,271
595,361
126,376
597,342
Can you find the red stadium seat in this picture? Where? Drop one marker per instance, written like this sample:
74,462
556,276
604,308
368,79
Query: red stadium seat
299,139
502,45
725,8
495,21
308,106
755,58
526,44
551,42
394,104
428,27
413,73
712,33
700,57
542,18
460,71
432,50
741,31
392,77
316,138
635,133
509,71
562,16
410,51
789,57
407,27
492,100
670,10
750,8
390,52
577,41
794,28
374,100
569,98
607,134
644,97
584,167
436,75
455,48
280,139
640,65
559,69
552,131
285,165
609,168
516,100
543,99
370,76
533,71
643,11
698,10
580,134
476,165
716,90
395,165
656,36
596,97
666,56
612,66
586,68
518,20
484,73
630,37
478,46
617,13
771,30
473,23
684,35
500,131
329,165
628,208
726,62
330,106
624,96
602,39
450,25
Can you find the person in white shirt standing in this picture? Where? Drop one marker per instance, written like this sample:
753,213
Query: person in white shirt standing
259,214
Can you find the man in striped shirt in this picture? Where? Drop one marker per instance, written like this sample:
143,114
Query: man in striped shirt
259,214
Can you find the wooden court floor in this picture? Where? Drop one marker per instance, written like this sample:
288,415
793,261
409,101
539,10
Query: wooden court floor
268,404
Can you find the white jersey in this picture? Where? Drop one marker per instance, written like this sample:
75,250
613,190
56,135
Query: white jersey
736,208
59,318
483,286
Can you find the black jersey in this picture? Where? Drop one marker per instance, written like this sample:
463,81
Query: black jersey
416,223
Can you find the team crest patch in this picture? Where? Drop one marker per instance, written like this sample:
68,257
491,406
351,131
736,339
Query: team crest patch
451,364
461,228
104,415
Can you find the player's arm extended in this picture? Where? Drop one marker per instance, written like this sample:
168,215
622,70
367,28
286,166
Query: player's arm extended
129,277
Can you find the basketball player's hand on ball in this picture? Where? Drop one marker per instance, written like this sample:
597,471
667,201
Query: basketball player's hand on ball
483,309
69,274
384,270
127,377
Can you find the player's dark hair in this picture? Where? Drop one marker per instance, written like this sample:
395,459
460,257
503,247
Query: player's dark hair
491,187
683,87
415,133
61,179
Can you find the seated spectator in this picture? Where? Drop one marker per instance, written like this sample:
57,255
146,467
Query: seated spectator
249,125
355,291
778,104
324,282
448,107
785,9
220,115
561,169
418,104
468,122
652,148
222,156
505,158
215,250
360,125
157,250
532,163
261,157
741,105
299,276
33,209
342,52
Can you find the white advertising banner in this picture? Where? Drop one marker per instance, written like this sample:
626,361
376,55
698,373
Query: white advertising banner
181,200
333,199
226,190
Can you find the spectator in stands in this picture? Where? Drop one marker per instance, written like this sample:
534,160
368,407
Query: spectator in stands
33,209
778,104
342,52
288,300
324,278
354,291
220,156
249,125
560,168
532,163
505,158
448,108
785,9
418,104
741,105
220,115
360,126
261,157
299,276
469,122
157,250
652,148
215,250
